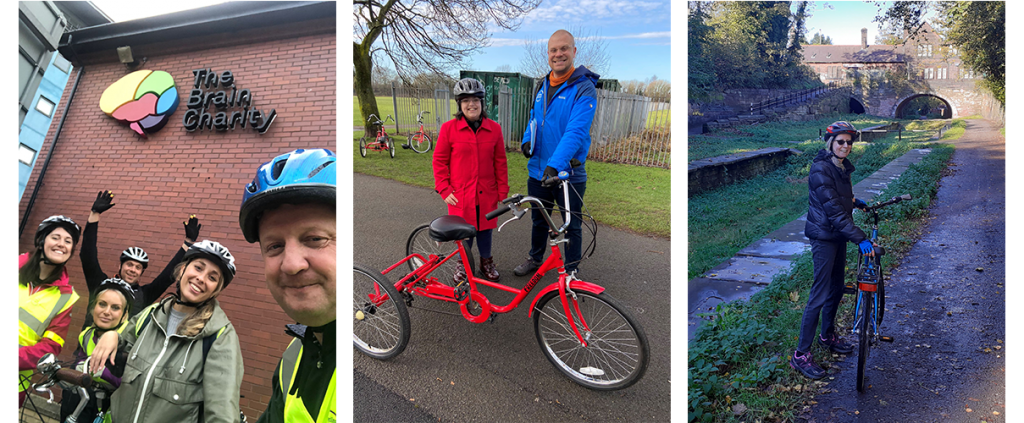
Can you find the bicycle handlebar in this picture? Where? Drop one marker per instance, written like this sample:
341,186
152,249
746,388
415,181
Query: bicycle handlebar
518,199
891,201
378,121
74,377
49,367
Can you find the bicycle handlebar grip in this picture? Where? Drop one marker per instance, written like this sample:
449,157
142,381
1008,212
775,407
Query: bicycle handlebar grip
74,377
497,212
502,210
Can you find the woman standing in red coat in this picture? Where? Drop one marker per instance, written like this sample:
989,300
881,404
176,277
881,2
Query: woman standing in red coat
470,171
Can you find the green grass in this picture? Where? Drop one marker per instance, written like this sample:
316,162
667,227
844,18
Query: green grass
386,106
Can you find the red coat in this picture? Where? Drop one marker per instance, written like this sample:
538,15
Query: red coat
473,167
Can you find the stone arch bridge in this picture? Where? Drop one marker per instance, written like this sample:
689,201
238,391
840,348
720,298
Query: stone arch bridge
885,78
880,96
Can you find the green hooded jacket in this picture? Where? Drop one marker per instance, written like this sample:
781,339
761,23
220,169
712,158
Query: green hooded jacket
165,379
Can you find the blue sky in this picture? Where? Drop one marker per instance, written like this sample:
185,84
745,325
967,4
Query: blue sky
637,37
843,20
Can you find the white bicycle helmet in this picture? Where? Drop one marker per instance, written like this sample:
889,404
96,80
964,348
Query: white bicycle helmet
137,254
469,87
213,251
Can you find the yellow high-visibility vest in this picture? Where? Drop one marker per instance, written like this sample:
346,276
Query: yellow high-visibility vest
294,409
34,316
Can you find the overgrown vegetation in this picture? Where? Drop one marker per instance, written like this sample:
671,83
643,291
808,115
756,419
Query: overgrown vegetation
754,44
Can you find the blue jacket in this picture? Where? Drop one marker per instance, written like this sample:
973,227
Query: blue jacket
563,126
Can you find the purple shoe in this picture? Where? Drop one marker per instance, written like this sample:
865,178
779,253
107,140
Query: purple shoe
835,344
804,363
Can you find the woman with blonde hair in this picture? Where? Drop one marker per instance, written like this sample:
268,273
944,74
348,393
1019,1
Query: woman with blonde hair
172,343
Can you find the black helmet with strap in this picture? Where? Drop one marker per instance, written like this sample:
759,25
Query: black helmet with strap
840,127
48,225
120,286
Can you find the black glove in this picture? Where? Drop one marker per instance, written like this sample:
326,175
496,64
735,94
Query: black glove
102,202
192,228
550,177
526,148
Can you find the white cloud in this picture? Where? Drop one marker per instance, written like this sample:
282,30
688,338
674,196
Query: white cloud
562,10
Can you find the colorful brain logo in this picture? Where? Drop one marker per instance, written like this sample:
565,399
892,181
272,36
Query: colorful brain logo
143,99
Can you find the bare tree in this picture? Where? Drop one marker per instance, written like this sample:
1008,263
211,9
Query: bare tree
503,68
418,36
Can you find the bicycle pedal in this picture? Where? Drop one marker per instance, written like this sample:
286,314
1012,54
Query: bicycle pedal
885,339
849,289
406,146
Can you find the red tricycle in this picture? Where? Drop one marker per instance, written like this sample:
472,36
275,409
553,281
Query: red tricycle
382,142
584,332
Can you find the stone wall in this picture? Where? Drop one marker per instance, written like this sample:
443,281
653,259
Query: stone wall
714,172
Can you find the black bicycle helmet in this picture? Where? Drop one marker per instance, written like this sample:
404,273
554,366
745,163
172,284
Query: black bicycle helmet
47,226
840,127
121,286
53,222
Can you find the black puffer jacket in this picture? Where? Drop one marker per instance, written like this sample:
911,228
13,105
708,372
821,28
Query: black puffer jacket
830,210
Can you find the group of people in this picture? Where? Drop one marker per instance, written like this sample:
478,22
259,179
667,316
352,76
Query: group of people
471,170
178,359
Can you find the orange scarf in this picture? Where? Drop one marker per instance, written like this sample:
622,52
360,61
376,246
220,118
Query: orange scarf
554,82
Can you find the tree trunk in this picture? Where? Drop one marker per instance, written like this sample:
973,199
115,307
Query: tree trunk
364,88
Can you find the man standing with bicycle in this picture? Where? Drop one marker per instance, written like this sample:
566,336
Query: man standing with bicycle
289,207
829,226
559,134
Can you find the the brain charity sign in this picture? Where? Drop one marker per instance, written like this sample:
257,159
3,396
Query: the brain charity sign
144,100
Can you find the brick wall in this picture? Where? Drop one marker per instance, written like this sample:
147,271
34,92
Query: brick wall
160,180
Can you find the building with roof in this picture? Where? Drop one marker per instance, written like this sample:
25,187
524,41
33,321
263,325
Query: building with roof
887,77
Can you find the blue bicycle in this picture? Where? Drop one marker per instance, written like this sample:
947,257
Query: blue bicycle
870,307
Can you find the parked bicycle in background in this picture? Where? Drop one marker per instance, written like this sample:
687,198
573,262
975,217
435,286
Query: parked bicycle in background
420,140
380,142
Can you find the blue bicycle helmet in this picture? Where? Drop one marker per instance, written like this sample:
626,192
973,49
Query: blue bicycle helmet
300,176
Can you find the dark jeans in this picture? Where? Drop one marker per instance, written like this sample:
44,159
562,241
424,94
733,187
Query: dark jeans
829,264
539,237
483,244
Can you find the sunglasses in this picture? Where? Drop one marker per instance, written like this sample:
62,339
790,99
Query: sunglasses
842,142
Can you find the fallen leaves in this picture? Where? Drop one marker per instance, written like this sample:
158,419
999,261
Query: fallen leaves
794,296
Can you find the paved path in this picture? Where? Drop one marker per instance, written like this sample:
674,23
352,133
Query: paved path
945,307
456,371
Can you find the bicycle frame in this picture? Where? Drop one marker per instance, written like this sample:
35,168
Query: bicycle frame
382,133
868,264
871,266
433,289
419,118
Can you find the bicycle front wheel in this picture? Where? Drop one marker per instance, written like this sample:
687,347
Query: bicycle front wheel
867,302
390,143
617,353
380,318
362,146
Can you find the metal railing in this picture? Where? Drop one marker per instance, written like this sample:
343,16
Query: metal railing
796,97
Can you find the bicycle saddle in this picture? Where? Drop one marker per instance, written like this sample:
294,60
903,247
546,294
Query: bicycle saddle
451,228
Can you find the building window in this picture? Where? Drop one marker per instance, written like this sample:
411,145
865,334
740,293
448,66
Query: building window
45,106
61,63
929,74
26,154
924,50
